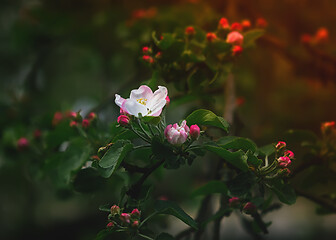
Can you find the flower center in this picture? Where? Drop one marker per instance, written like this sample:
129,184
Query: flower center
142,101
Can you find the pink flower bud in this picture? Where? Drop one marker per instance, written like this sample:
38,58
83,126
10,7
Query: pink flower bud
235,38
58,116
261,22
234,202
135,224
115,210
236,27
125,218
223,24
190,30
176,134
85,123
71,114
123,120
211,36
289,154
237,50
110,225
22,144
249,208
135,212
92,116
286,172
73,123
284,161
246,24
326,127
194,132
167,101
148,59
146,50
280,145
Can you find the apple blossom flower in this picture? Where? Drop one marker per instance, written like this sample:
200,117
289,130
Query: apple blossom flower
115,210
143,101
176,134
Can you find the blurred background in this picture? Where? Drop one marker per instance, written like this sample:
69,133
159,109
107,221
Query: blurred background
74,55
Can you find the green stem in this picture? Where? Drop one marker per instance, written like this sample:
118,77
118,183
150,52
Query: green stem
145,237
140,125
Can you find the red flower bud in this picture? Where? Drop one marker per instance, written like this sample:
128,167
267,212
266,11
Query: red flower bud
236,26
123,120
237,50
246,24
306,38
148,59
22,144
234,202
194,132
190,30
73,123
92,116
211,36
261,23
289,154
71,114
135,224
85,123
284,162
158,55
322,35
280,145
135,212
110,225
58,116
167,101
249,208
146,50
327,127
223,24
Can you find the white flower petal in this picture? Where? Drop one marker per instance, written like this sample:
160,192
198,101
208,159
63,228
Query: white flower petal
142,92
119,100
156,108
134,108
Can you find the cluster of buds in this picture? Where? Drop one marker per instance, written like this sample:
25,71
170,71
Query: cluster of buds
178,134
321,36
148,55
286,157
86,122
246,207
117,218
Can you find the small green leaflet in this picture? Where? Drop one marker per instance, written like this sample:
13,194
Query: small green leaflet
207,118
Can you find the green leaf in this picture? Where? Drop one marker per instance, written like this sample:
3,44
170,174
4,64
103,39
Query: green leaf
151,120
284,191
114,156
253,160
164,236
171,208
241,184
267,150
237,159
231,142
207,118
167,40
251,36
210,188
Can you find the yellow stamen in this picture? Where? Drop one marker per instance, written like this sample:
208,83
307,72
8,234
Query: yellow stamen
142,101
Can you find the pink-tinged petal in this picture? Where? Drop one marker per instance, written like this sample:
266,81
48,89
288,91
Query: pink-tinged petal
119,100
155,114
134,108
142,92
183,123
167,129
158,100
175,125
156,108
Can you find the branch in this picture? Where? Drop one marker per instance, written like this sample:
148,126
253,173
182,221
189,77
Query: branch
329,204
